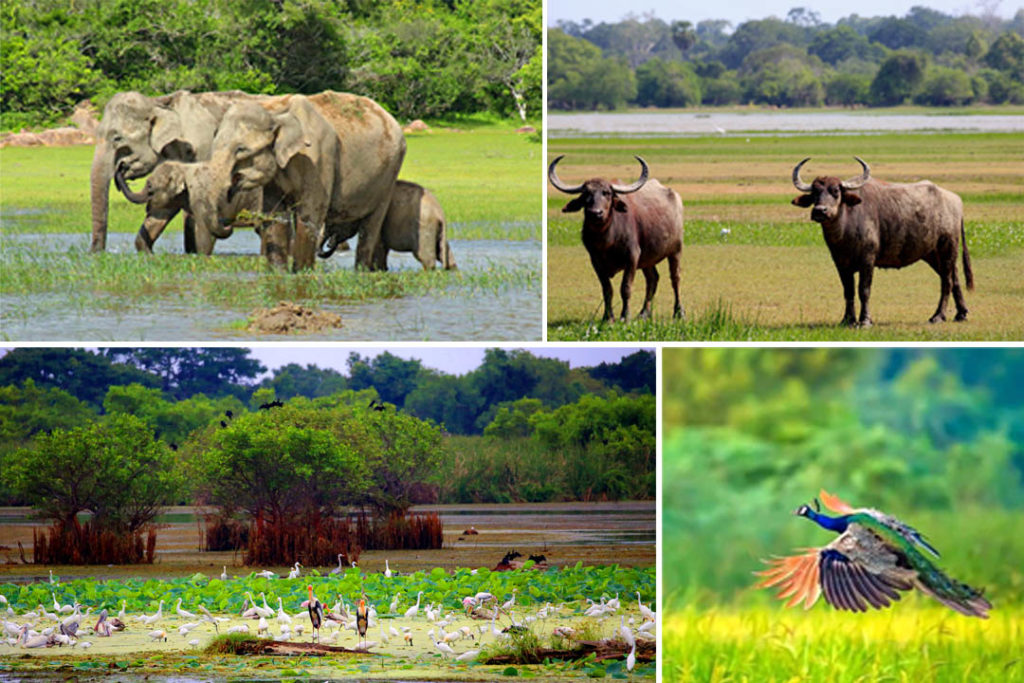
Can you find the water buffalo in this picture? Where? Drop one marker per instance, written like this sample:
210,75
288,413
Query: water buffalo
869,223
626,227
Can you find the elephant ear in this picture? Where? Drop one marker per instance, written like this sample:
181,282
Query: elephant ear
299,129
167,136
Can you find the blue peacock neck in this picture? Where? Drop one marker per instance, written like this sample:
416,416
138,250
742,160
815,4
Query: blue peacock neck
836,524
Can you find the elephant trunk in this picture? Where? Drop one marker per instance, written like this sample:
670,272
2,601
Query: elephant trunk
122,185
99,190
328,245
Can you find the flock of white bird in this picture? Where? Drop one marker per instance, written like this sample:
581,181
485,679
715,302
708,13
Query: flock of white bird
446,627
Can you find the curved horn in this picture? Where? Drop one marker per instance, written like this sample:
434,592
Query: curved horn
799,184
559,185
626,189
854,183
122,185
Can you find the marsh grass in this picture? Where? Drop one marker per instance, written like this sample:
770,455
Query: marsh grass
231,644
770,644
756,268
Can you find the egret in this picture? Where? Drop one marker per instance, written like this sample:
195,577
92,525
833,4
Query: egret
338,569
243,628
62,609
441,647
262,626
148,621
183,613
224,574
415,609
209,617
85,645
184,629
194,642
631,659
468,655
644,610
316,613
511,602
614,602
387,569
121,615
282,616
267,574
394,604
294,573
267,610
625,632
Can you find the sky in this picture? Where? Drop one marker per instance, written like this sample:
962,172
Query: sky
738,11
451,360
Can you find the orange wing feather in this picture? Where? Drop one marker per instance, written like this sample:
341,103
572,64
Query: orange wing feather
796,576
835,503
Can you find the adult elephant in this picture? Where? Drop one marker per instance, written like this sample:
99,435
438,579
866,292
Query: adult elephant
331,159
137,133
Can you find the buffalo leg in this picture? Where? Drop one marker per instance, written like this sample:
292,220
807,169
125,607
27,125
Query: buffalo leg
673,274
940,264
958,297
626,290
651,278
850,317
606,292
864,289
190,234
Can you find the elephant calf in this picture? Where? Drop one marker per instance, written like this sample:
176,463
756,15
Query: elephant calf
174,186
414,222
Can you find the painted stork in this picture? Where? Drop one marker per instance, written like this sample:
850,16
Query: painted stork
316,614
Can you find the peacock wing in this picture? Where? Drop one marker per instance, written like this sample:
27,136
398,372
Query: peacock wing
835,503
859,570
796,576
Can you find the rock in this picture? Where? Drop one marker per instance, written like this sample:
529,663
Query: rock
526,129
84,117
289,318
417,126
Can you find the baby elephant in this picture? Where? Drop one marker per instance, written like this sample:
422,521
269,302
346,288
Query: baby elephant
414,222
167,191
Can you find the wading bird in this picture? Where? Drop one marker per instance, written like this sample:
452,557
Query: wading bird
316,614
631,659
183,613
224,574
362,621
415,609
338,569
294,573
874,557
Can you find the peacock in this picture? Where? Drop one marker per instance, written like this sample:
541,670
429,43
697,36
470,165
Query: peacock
874,557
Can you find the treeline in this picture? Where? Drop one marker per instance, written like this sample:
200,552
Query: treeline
926,57
418,58
935,437
179,394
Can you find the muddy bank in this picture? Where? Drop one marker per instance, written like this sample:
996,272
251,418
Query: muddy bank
291,318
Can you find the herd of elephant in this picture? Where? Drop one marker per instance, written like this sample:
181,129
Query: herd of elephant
310,171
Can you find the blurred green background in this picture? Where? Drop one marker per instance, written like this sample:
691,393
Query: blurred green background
932,436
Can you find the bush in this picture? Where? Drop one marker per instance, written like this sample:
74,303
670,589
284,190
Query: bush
667,84
897,79
944,87
847,89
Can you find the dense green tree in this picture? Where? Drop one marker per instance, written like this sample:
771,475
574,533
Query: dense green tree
837,44
898,79
635,372
85,375
943,86
847,89
310,381
580,78
391,376
667,84
184,371
782,75
171,421
1007,55
897,34
753,36
113,468
513,419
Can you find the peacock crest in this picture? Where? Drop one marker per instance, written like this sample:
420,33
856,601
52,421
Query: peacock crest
874,557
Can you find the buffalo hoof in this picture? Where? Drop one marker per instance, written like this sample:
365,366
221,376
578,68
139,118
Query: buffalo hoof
848,322
938,318
866,322
961,316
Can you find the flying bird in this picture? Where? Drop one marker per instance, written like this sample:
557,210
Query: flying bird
874,557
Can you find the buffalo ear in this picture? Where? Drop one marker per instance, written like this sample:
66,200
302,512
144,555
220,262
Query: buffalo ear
851,199
619,205
575,205
803,200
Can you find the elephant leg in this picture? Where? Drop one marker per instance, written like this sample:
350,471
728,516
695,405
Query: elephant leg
303,245
369,236
203,242
151,229
380,257
275,239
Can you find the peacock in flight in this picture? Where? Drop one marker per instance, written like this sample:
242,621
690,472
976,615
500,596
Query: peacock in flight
874,557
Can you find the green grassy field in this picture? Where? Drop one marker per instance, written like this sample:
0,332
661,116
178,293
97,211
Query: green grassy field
485,175
770,276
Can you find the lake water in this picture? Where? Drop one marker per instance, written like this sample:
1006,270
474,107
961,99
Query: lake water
513,312
649,124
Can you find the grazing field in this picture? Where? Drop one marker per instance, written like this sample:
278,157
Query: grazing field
485,176
755,267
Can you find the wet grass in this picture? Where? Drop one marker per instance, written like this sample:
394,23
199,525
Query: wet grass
924,645
755,267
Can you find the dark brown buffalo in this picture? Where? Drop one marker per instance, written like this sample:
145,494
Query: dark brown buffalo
628,227
869,223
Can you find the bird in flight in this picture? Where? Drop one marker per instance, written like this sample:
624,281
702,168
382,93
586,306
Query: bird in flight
874,557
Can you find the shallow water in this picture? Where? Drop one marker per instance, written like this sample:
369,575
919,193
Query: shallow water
512,313
649,124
